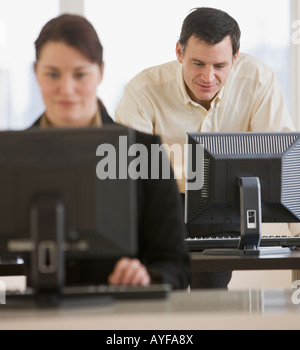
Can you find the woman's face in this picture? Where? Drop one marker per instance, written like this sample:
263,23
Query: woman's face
68,82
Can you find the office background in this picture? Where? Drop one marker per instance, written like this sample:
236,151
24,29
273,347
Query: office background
137,34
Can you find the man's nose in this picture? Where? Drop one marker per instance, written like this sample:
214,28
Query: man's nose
208,74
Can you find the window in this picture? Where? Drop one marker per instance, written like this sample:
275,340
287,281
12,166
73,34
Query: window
139,34
135,34
20,24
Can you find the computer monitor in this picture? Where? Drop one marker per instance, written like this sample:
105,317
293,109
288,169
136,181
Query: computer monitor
244,179
64,208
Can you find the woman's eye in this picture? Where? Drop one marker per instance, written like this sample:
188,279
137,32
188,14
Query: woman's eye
52,75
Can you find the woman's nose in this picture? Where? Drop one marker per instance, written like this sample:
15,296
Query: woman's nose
67,85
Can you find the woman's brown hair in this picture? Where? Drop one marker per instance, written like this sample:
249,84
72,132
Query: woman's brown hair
75,31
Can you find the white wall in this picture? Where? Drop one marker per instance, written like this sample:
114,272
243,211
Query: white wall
295,62
72,6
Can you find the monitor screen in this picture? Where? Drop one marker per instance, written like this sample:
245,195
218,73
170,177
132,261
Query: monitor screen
219,201
64,208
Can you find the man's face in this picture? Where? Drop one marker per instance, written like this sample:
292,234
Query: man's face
205,68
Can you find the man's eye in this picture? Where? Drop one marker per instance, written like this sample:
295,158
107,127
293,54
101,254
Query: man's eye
80,75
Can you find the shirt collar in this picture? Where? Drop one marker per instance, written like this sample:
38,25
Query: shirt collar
215,103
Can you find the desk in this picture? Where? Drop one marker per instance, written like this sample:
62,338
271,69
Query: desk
201,263
207,263
181,310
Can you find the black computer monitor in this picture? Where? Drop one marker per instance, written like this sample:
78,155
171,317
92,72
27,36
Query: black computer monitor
243,179
65,209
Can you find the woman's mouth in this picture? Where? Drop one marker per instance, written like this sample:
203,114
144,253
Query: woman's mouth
67,103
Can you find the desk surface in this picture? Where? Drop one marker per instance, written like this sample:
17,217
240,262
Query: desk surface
181,310
200,262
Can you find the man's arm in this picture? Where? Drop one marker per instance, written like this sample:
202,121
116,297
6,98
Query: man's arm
269,109
135,110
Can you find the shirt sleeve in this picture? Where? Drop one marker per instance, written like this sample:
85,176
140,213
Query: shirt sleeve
135,110
269,109
294,228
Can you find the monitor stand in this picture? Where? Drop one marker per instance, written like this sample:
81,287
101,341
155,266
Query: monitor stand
47,271
251,217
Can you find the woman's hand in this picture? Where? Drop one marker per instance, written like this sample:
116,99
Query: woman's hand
129,272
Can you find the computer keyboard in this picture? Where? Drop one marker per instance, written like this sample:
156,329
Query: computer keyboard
152,291
87,295
232,241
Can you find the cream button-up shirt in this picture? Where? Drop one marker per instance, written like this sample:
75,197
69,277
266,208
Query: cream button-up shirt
156,101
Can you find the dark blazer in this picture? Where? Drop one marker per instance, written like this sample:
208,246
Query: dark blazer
160,228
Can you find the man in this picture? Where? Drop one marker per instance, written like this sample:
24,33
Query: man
211,87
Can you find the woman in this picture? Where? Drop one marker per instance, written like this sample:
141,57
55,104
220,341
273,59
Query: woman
69,68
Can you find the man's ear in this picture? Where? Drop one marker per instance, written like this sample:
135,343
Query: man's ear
235,57
179,52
